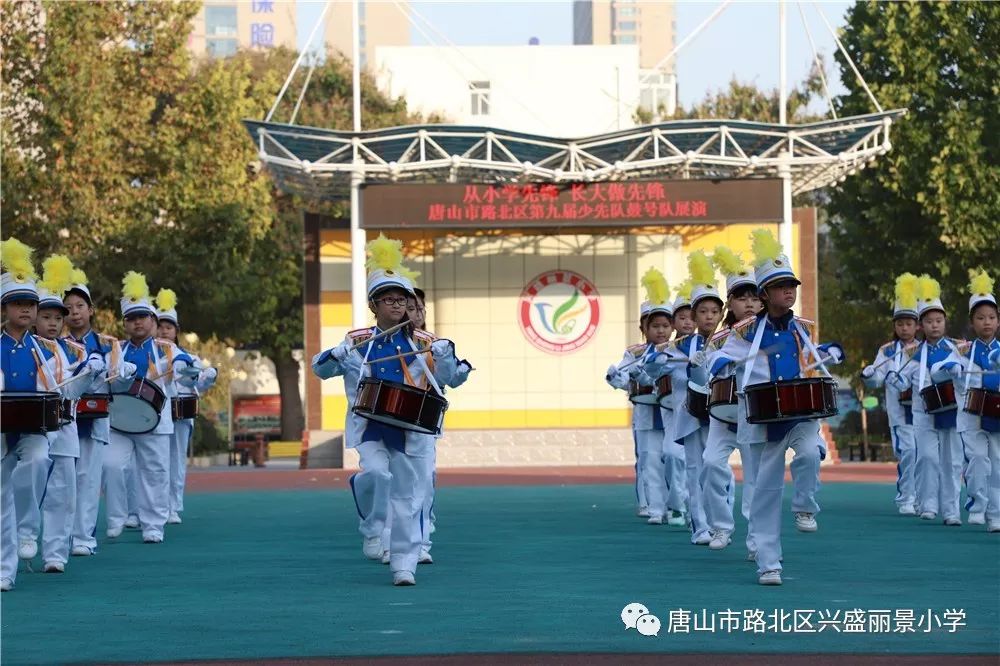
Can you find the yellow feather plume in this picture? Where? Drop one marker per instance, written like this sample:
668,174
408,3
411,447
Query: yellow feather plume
700,269
410,275
684,290
78,277
134,286
57,274
928,288
166,299
906,290
384,253
765,246
980,283
728,261
15,256
657,290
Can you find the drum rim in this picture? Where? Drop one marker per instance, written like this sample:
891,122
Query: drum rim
371,381
133,432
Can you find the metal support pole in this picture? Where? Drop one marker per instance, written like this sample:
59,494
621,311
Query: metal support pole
785,232
782,64
359,312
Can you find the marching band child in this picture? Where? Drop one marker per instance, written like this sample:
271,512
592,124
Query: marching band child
683,314
891,357
717,476
392,459
787,344
648,419
977,371
939,450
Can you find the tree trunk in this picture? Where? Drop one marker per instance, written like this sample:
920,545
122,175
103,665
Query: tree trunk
292,416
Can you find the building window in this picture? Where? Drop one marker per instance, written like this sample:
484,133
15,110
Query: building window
220,21
221,48
626,26
625,39
625,12
480,97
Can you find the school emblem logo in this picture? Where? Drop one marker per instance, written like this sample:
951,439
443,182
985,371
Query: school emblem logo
559,311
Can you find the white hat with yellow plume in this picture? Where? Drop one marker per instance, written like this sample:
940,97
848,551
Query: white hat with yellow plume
657,294
135,295
702,275
770,264
385,266
981,288
57,276
905,305
929,295
166,306
18,280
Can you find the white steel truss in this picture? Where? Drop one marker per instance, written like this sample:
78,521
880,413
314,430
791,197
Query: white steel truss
320,163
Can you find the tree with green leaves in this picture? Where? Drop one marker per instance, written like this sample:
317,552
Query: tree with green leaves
932,204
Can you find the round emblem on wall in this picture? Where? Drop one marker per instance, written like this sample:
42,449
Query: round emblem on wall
559,311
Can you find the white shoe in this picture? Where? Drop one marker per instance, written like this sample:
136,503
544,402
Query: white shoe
82,551
804,522
676,519
770,578
702,539
152,537
174,518
907,510
27,549
6,585
372,547
132,522
977,518
425,557
993,526
720,539
655,520
643,512
952,522
114,532
928,515
401,578
385,557
54,567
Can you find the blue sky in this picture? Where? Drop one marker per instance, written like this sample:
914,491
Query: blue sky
742,41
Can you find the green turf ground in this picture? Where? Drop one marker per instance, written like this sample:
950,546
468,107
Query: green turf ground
519,569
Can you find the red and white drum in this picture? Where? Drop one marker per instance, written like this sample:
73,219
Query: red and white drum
93,406
813,398
28,411
722,402
400,405
137,410
939,398
983,402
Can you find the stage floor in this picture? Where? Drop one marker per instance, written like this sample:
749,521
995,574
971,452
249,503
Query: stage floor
520,569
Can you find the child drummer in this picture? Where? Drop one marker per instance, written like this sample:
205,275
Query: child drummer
690,430
891,357
742,303
976,373
391,458
939,449
783,337
648,421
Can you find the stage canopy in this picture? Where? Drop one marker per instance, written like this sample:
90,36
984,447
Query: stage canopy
320,163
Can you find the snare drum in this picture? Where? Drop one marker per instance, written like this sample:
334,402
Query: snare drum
906,397
983,402
697,401
813,398
184,407
29,412
65,412
650,395
93,406
400,405
939,397
137,410
722,401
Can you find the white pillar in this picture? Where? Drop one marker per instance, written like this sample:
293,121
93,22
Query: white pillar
785,231
782,63
359,310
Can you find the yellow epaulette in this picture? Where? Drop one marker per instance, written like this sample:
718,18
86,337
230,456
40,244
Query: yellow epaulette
803,320
744,325
719,336
423,339
78,349
106,339
887,346
636,349
51,345
163,343
962,345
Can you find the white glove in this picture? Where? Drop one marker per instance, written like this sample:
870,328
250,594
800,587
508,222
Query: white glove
442,347
211,374
897,381
868,372
612,372
186,369
128,370
699,357
95,365
994,359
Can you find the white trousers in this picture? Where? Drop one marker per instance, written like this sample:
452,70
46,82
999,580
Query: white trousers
400,478
675,470
88,492
427,517
28,480
640,490
152,479
718,481
8,519
651,470
179,443
769,485
694,455
982,476
938,471
59,509
905,447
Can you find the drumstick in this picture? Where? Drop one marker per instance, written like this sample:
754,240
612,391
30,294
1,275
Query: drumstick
381,335
71,379
905,349
392,358
813,366
766,351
